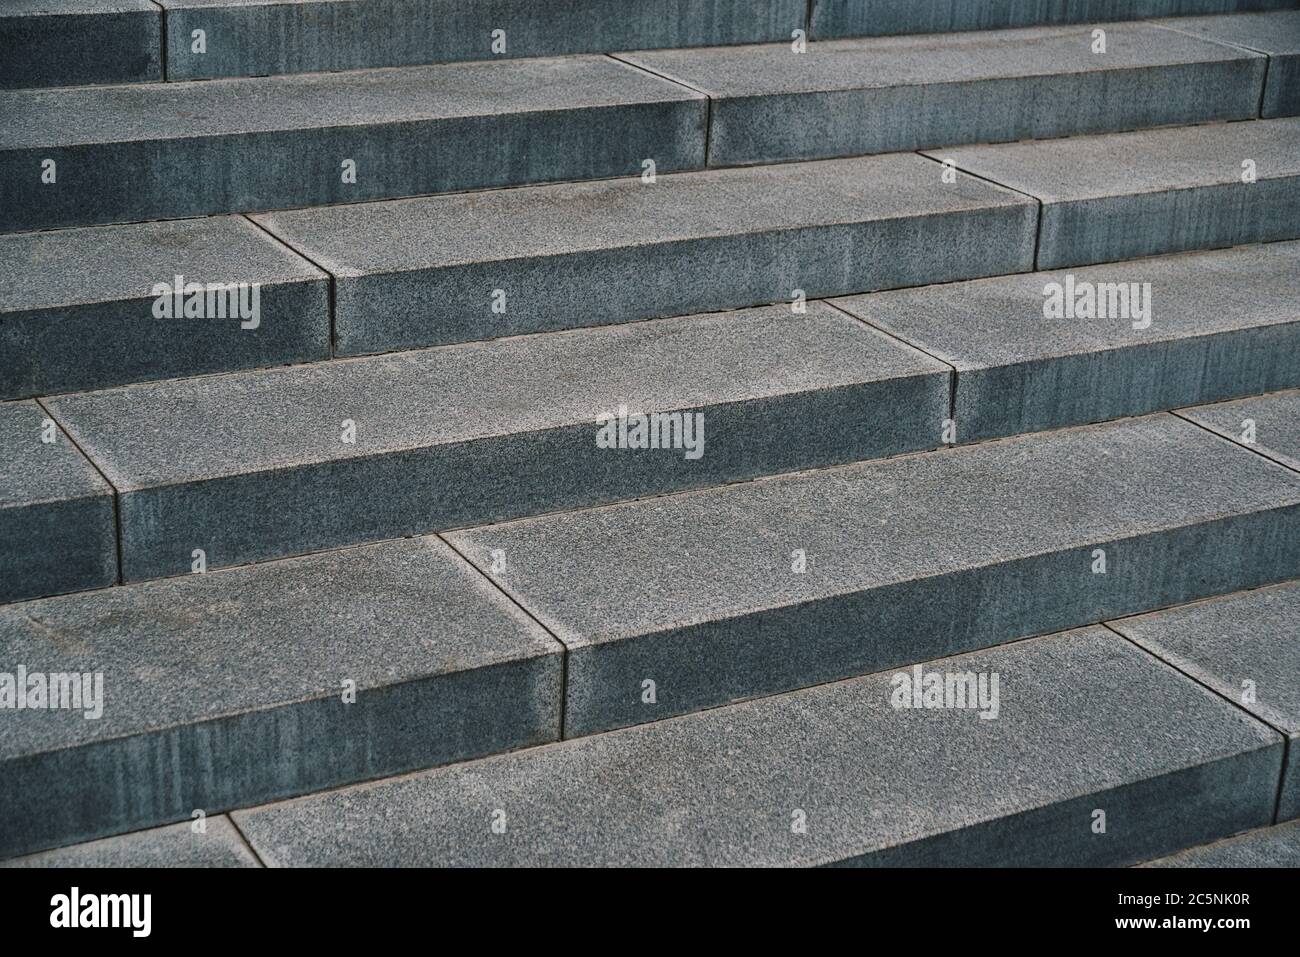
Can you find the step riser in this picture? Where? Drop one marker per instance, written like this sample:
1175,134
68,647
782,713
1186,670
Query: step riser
888,627
848,18
766,129
76,49
175,178
262,39
427,307
255,517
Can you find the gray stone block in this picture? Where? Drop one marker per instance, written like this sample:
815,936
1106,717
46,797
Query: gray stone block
252,465
1086,722
904,560
1277,34
257,37
76,42
591,253
77,306
850,97
1267,424
176,845
158,151
56,511
1211,326
1125,195
1277,846
1247,648
228,688
846,18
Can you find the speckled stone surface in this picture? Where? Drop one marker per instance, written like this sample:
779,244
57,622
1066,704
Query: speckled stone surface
56,511
591,253
252,465
1276,33
1254,638
849,97
1212,326
1268,424
73,42
1086,722
1277,846
61,291
1125,195
904,560
257,37
176,845
226,689
157,151
841,18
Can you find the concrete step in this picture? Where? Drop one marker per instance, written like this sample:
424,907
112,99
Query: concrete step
554,257
1276,34
176,845
1127,195
1087,724
254,465
1247,648
848,18
1267,424
258,37
1121,339
230,688
56,510
157,151
850,97
772,585
63,289
75,42
1277,846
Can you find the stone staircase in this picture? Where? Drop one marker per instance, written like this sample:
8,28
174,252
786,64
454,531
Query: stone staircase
843,432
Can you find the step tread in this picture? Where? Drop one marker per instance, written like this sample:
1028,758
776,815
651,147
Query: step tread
176,845
195,429
1274,32
33,472
1217,325
1277,846
719,787
1276,418
1144,161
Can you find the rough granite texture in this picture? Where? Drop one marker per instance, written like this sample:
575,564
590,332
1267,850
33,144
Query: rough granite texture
252,465
844,18
1125,195
1277,34
56,511
226,689
1217,325
592,253
1268,424
906,560
259,37
1277,846
1252,637
155,151
849,97
1169,762
75,42
64,290
176,845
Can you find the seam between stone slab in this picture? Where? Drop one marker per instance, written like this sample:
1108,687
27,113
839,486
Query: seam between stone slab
708,98
1286,738
490,436
239,833
952,369
1274,458
564,648
332,284
114,494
